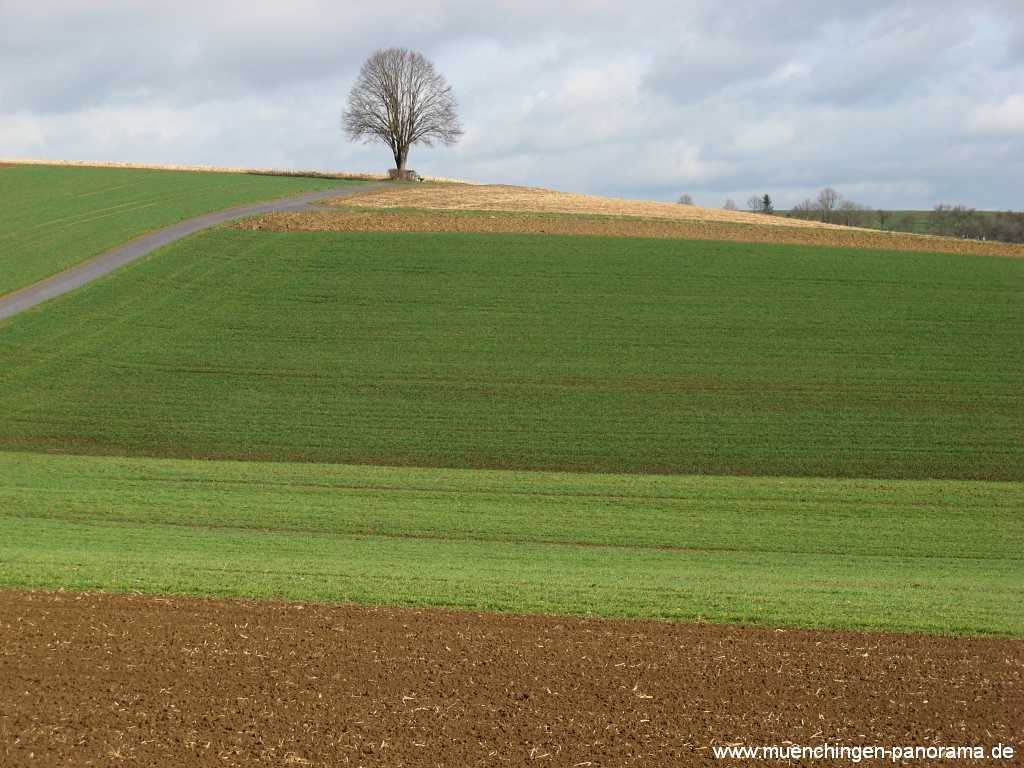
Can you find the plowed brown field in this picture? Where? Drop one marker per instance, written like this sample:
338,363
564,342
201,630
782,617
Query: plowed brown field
111,680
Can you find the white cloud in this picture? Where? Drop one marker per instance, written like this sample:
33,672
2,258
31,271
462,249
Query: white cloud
763,136
906,105
1005,118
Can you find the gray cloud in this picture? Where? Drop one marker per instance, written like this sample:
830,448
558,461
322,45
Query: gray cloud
897,105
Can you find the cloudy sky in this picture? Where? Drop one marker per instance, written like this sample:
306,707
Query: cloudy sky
895,104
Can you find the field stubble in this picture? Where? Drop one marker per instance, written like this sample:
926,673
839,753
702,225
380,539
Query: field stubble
500,197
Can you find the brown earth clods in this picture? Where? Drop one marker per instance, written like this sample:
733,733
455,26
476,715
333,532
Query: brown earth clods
355,220
94,679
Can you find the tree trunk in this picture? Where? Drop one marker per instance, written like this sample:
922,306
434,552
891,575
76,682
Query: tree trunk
400,159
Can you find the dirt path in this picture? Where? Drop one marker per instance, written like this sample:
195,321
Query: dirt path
86,272
167,682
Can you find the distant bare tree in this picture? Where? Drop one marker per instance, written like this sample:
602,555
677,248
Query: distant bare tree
956,221
939,219
808,209
827,200
685,199
754,203
730,205
962,221
830,206
850,213
1007,226
400,100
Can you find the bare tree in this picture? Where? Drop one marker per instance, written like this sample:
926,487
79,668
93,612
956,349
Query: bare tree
850,213
956,221
1007,226
961,221
827,200
400,100
808,209
940,220
730,205
760,204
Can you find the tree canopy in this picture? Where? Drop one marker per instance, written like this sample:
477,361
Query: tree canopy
399,99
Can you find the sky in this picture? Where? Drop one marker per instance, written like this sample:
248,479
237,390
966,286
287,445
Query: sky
894,104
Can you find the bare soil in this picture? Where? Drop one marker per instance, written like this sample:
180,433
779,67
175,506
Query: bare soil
94,679
362,219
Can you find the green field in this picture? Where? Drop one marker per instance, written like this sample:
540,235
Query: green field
54,217
933,556
529,352
205,421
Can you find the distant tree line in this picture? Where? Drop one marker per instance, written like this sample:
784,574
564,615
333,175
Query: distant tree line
944,220
832,208
961,221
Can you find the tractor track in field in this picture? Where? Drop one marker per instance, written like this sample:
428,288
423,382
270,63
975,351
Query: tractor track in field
100,679
466,538
98,266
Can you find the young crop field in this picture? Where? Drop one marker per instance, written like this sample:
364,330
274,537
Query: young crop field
931,556
447,497
590,354
53,217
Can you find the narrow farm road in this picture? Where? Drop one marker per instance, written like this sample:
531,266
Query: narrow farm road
104,264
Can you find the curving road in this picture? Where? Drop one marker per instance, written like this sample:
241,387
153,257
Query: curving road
97,267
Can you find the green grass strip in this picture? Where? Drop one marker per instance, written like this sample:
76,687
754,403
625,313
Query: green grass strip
919,556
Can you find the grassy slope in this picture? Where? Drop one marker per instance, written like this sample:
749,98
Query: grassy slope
531,352
913,221
934,556
52,218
